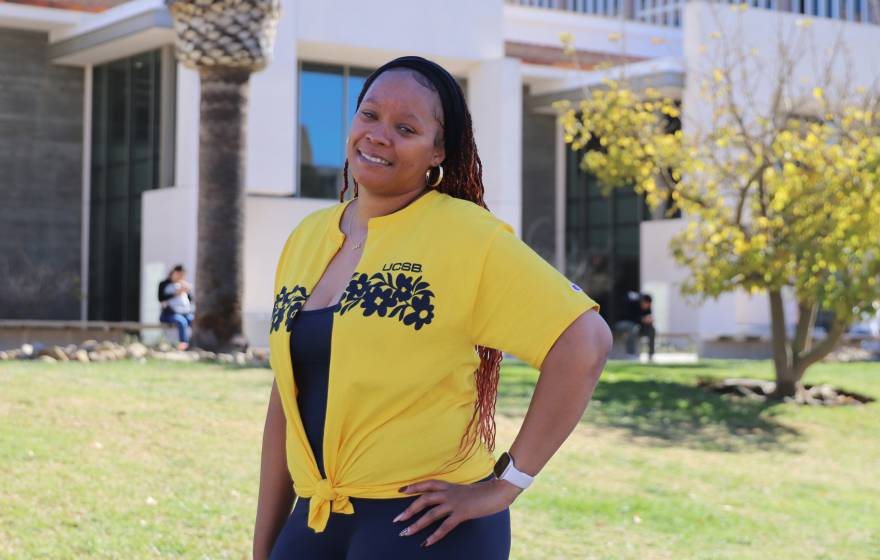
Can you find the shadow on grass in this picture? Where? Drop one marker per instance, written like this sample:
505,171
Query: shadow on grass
668,413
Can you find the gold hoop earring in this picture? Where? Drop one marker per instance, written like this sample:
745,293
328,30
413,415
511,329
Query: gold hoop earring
439,177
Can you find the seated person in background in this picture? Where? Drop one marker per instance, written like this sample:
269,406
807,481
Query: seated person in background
644,326
177,307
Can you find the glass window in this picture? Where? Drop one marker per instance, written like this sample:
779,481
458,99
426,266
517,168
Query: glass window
327,101
126,102
602,237
321,130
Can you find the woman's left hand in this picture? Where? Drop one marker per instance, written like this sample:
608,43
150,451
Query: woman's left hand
459,502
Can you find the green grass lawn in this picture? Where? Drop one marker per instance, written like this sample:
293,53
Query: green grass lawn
127,460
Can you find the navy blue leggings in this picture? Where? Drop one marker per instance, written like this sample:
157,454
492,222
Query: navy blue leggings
370,534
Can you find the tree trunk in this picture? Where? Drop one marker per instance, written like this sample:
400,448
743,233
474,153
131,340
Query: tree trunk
791,360
219,276
787,380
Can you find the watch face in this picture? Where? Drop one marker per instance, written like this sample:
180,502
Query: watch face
501,465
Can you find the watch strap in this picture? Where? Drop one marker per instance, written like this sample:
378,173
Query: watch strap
515,476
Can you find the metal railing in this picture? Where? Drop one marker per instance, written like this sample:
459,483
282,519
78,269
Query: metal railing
668,12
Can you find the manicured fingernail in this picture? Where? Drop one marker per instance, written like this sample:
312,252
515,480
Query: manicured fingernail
424,543
403,533
402,489
396,519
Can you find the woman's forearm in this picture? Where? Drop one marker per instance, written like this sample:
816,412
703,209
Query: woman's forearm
276,489
568,377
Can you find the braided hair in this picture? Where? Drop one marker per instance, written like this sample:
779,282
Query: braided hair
463,178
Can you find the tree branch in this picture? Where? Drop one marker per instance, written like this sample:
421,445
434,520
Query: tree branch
806,359
806,319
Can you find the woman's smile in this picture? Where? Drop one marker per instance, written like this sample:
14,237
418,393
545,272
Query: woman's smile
373,159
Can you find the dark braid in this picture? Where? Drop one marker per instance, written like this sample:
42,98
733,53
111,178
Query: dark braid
462,178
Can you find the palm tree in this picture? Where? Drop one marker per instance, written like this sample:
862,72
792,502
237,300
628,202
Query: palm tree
225,41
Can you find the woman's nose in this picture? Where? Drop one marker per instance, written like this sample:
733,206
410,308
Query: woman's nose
377,137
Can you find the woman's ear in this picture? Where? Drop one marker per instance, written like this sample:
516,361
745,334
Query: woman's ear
439,156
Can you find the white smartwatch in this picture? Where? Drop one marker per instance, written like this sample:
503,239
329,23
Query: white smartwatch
506,470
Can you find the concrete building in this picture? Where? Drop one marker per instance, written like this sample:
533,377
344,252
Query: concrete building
100,135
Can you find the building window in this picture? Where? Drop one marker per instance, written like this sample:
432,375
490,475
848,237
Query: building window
128,125
602,237
327,102
602,234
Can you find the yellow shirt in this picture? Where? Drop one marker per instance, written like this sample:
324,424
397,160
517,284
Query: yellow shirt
435,279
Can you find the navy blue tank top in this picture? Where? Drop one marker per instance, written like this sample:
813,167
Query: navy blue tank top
310,358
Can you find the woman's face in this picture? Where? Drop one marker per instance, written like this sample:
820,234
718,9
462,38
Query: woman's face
396,134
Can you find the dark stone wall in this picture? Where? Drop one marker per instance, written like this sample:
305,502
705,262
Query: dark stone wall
538,183
41,120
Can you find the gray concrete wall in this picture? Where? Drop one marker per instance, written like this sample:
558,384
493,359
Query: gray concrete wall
538,182
41,112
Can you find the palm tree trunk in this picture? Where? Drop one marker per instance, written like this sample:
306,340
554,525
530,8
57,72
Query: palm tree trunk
218,322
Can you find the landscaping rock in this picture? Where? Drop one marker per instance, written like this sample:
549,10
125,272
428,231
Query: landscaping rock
47,359
55,352
103,351
80,356
136,350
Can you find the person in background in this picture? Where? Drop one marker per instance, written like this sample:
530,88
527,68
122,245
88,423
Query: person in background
644,326
177,306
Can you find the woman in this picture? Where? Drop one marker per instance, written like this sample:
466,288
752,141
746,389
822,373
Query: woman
176,302
391,313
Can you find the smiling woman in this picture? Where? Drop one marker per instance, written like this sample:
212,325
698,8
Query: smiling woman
414,289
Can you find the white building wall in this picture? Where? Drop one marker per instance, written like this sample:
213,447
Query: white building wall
455,33
186,140
495,102
168,237
712,29
271,165
662,278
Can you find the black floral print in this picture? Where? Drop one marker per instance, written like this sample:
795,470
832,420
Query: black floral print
358,285
402,297
287,303
422,312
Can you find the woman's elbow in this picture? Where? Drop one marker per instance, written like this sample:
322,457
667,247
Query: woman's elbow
584,345
597,338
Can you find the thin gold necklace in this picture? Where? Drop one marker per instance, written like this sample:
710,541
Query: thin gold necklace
357,244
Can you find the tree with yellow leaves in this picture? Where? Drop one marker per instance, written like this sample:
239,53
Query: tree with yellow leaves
782,194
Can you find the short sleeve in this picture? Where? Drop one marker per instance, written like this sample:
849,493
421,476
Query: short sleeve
523,304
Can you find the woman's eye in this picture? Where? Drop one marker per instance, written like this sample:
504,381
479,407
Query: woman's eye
367,114
406,130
